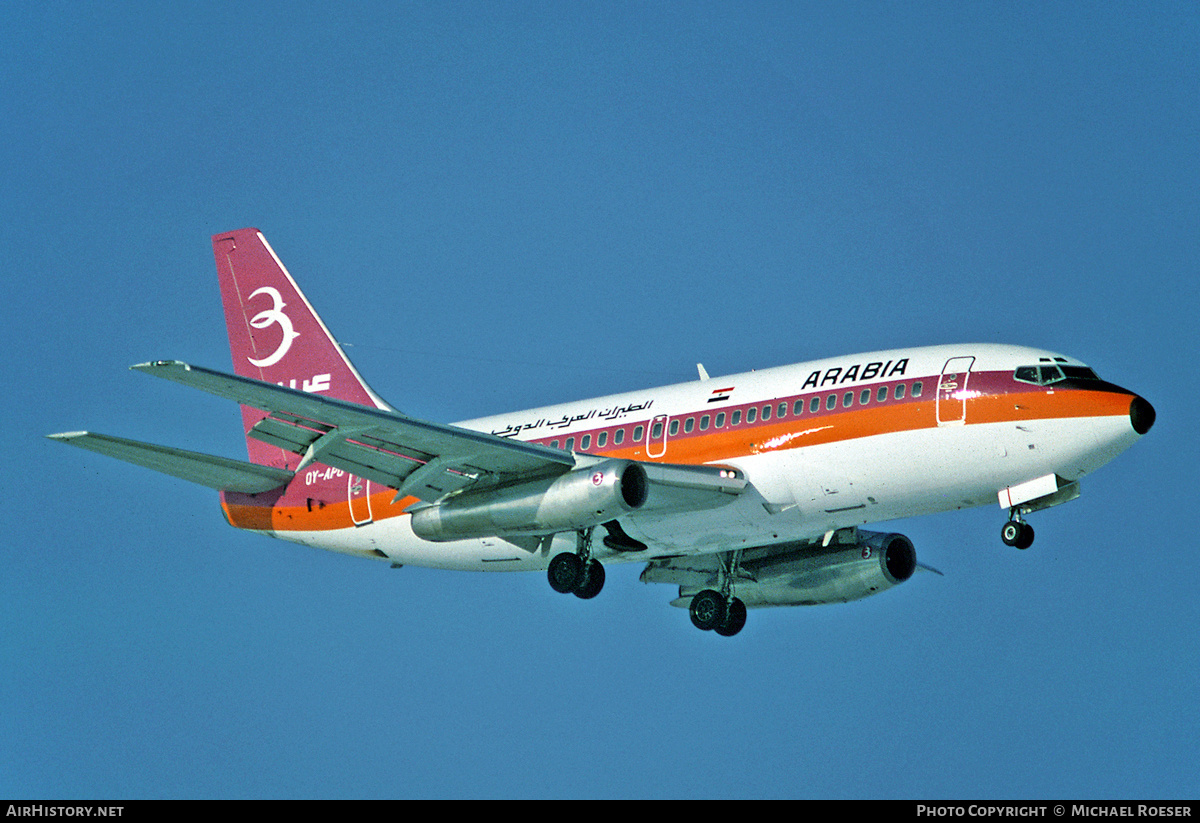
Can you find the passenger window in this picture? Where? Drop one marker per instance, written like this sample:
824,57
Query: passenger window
637,434
554,444
570,444
720,421
916,392
782,410
689,424
864,397
751,414
847,400
656,431
585,442
674,427
619,437
798,407
766,413
704,423
814,405
735,418
899,392
601,440
881,394
831,402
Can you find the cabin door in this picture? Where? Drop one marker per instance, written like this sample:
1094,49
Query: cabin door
952,391
656,438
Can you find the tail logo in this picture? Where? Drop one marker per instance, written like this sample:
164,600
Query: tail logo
270,317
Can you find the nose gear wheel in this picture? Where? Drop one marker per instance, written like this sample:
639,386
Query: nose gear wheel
1016,532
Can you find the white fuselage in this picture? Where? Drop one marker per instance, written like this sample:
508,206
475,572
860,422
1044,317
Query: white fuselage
846,450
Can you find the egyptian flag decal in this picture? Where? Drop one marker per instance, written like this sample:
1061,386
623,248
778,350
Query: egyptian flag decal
720,394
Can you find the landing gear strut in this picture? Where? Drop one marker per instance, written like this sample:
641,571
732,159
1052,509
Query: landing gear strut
720,611
1016,532
576,572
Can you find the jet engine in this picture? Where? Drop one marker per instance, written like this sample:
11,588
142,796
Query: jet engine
836,573
855,564
575,500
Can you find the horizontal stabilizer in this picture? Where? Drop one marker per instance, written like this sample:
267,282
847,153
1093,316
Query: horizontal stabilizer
219,473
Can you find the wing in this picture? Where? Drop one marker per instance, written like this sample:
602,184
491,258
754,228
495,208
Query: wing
416,457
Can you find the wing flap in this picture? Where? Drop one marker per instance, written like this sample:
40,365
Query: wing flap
694,572
219,473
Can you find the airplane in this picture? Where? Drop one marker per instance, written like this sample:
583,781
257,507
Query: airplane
745,491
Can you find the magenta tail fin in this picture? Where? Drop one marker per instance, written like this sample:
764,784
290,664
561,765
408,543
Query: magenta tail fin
275,334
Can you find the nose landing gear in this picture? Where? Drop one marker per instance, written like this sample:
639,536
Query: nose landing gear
1016,532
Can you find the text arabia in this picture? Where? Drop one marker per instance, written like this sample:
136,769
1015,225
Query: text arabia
836,375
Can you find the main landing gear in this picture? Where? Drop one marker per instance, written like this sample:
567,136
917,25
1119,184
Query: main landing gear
576,572
1016,532
712,611
720,611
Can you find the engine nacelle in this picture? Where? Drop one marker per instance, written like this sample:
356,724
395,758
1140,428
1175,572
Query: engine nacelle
578,499
837,573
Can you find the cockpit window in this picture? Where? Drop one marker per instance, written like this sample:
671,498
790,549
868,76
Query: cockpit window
1044,375
1039,375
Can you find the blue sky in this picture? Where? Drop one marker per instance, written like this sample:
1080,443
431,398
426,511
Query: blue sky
504,205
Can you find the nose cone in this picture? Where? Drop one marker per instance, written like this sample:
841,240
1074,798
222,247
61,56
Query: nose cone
1141,415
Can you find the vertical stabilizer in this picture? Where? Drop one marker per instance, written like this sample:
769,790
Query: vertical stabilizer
275,335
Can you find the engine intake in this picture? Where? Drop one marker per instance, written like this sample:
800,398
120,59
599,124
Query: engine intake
578,499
